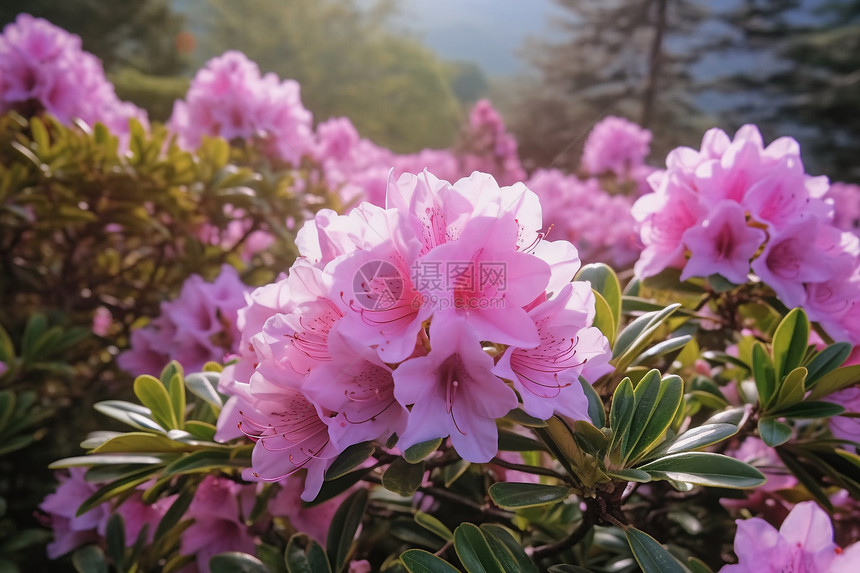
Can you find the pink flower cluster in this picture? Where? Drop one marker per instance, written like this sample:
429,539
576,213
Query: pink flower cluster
43,68
846,206
197,327
430,318
735,206
618,146
72,531
580,211
804,543
230,98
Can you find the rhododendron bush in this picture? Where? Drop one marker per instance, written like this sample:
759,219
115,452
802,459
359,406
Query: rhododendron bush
306,352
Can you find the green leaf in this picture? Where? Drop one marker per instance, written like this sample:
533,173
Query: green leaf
133,442
7,407
636,336
773,432
513,442
791,392
762,369
402,477
604,280
810,409
202,461
349,459
7,349
834,381
827,361
173,368
696,438
420,561
343,526
564,568
304,555
335,487
116,487
595,404
433,525
668,402
418,452
630,474
474,551
204,385
513,495
236,562
90,559
621,412
650,555
661,348
115,540
647,393
452,472
517,416
96,459
705,468
812,484
176,391
507,549
175,513
603,319
698,566
201,430
152,394
120,410
789,342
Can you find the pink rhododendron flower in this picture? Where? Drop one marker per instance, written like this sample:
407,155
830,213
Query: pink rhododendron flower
843,427
804,543
230,98
846,206
218,510
42,67
197,327
314,519
102,319
616,145
404,320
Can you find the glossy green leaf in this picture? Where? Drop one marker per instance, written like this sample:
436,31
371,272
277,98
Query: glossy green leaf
513,495
603,319
343,527
762,369
621,412
507,550
810,409
668,403
791,391
650,555
661,348
834,381
418,452
335,487
8,400
96,459
637,335
705,468
174,513
433,525
827,361
176,391
202,461
810,482
789,342
204,385
201,430
420,561
595,404
173,368
120,410
90,559
304,555
773,432
236,562
403,478
630,474
349,459
698,566
152,394
646,394
514,442
474,551
604,280
695,438
517,416
116,487
452,472
133,442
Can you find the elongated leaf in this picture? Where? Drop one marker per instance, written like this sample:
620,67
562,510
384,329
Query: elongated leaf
762,368
827,361
176,391
513,495
668,402
630,474
115,540
773,432
117,487
152,394
595,405
661,348
119,410
603,319
514,442
791,392
474,551
418,452
452,472
812,484
508,550
133,442
834,381
349,459
172,369
519,417
651,556
604,280
637,335
304,555
96,459
343,526
433,525
337,486
420,561
696,438
203,385
7,407
810,409
236,562
647,393
705,468
789,342
403,478
201,461
621,412
90,559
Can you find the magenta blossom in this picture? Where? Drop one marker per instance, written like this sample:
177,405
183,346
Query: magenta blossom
804,543
615,145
